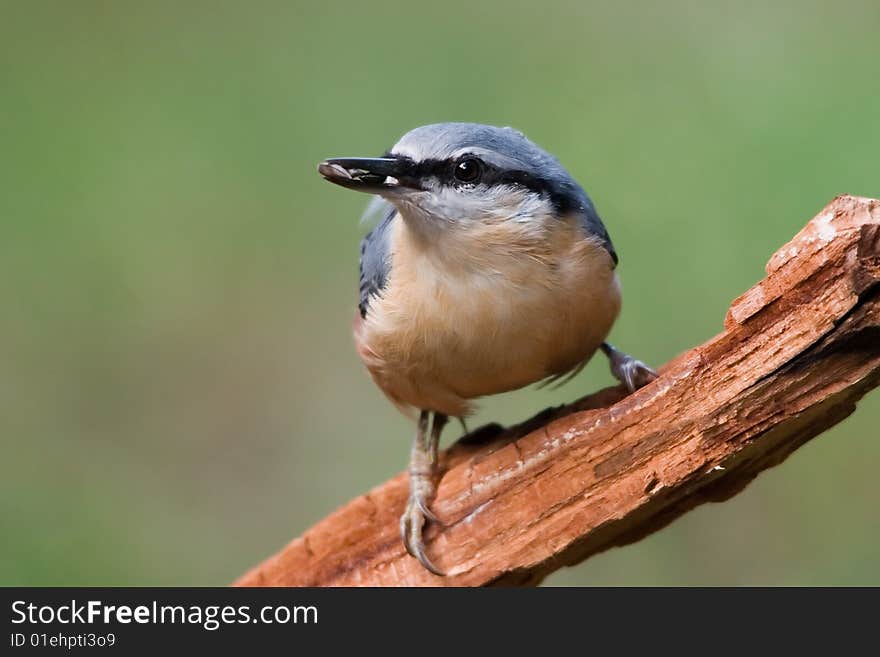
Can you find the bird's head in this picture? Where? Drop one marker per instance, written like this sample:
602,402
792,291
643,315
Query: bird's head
450,176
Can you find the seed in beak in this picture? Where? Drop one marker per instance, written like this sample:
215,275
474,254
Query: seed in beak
333,171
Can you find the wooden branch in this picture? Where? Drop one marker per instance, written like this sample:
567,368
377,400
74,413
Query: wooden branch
798,351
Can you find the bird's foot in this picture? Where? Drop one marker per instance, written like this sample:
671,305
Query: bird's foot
631,372
422,488
417,513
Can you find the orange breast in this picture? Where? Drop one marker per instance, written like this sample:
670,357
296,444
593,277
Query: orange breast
457,323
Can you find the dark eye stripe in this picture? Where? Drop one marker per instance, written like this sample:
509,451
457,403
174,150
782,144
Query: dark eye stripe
563,200
566,196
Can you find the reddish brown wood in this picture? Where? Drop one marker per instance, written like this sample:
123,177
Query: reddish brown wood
798,351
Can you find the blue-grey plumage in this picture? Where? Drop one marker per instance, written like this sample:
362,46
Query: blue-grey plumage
374,264
489,270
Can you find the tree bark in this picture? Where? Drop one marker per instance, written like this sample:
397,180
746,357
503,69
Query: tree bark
798,350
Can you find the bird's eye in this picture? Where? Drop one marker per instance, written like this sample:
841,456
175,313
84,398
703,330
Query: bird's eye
468,170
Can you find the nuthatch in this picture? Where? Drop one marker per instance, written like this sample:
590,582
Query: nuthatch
489,271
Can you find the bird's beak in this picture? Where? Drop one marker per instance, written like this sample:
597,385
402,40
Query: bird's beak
374,175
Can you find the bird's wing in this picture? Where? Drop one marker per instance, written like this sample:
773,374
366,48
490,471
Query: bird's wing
375,263
593,226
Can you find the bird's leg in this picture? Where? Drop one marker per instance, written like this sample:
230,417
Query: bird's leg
631,372
422,487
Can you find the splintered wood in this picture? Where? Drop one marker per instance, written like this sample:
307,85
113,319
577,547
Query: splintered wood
798,351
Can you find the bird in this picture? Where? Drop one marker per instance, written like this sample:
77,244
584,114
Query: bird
489,270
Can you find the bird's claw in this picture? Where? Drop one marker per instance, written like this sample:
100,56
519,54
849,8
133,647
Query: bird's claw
631,372
429,515
636,374
411,524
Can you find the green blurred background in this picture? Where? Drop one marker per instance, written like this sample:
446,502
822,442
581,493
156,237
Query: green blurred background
178,389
